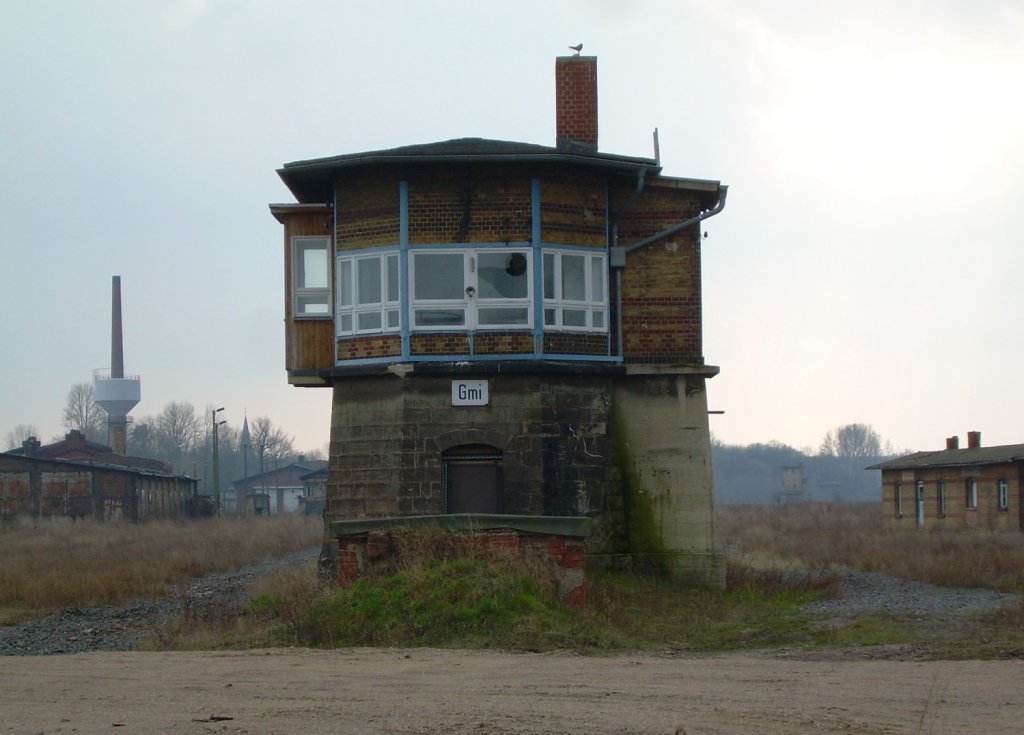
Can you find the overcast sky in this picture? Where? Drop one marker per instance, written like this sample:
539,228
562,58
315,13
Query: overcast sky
868,266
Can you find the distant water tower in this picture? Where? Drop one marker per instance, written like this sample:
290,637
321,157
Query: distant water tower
116,393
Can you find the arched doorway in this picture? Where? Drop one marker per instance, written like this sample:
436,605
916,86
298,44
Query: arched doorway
472,479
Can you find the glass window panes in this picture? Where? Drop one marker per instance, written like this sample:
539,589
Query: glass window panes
575,290
574,318
310,285
369,320
345,283
549,275
314,265
313,305
393,278
439,276
596,279
574,285
503,316
368,272
502,276
440,317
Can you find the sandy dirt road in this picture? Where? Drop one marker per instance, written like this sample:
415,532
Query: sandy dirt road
425,691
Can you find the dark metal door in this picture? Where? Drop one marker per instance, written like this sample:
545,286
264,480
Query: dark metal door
472,485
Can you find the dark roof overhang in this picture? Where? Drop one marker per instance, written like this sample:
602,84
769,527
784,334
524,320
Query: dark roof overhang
312,180
968,457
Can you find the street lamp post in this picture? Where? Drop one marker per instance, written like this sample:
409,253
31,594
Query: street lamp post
216,459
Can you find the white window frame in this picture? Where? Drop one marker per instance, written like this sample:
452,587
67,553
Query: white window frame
899,499
595,301
971,493
350,308
1004,494
300,292
471,303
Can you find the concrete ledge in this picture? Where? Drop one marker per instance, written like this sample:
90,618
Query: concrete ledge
708,371
572,526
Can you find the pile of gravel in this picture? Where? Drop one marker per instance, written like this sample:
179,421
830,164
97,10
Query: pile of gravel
871,592
77,630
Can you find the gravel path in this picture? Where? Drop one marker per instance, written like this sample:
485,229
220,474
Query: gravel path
871,592
78,630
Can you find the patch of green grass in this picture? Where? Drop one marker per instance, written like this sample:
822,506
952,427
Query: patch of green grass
653,612
468,602
871,630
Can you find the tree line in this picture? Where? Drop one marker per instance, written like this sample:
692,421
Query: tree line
180,436
774,472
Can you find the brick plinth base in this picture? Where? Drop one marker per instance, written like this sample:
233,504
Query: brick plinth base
362,552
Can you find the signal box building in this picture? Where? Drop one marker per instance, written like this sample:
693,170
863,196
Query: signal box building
511,334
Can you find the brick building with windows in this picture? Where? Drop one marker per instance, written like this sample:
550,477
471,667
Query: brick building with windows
78,478
956,488
512,334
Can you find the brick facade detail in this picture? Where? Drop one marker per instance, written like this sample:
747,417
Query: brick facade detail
367,211
576,100
471,205
361,348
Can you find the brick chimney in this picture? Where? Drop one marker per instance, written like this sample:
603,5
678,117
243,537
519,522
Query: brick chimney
29,446
973,439
953,442
576,102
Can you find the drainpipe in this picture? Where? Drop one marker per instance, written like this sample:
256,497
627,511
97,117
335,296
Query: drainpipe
723,191
617,256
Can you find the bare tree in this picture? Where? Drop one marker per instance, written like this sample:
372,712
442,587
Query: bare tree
16,437
179,429
851,440
269,441
83,413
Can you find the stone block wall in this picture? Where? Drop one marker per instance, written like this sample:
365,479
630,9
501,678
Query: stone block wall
389,435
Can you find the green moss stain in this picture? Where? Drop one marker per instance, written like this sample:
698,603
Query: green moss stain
642,534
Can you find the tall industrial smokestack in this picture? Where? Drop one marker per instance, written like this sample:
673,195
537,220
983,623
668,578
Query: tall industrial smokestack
115,393
116,340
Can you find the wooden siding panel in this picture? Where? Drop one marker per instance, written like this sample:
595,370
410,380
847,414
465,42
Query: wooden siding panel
309,343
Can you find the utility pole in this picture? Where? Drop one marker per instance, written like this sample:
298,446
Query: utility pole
216,459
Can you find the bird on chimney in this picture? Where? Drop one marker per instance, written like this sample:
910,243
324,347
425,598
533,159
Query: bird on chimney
577,48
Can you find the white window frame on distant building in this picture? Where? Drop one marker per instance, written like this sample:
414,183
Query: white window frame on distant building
971,492
942,498
899,499
1004,494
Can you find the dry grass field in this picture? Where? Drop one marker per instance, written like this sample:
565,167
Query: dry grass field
823,535
50,564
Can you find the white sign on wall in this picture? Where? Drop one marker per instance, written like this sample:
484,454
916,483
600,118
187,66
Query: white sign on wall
470,393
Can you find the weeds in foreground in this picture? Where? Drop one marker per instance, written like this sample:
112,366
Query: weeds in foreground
434,593
822,535
49,564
